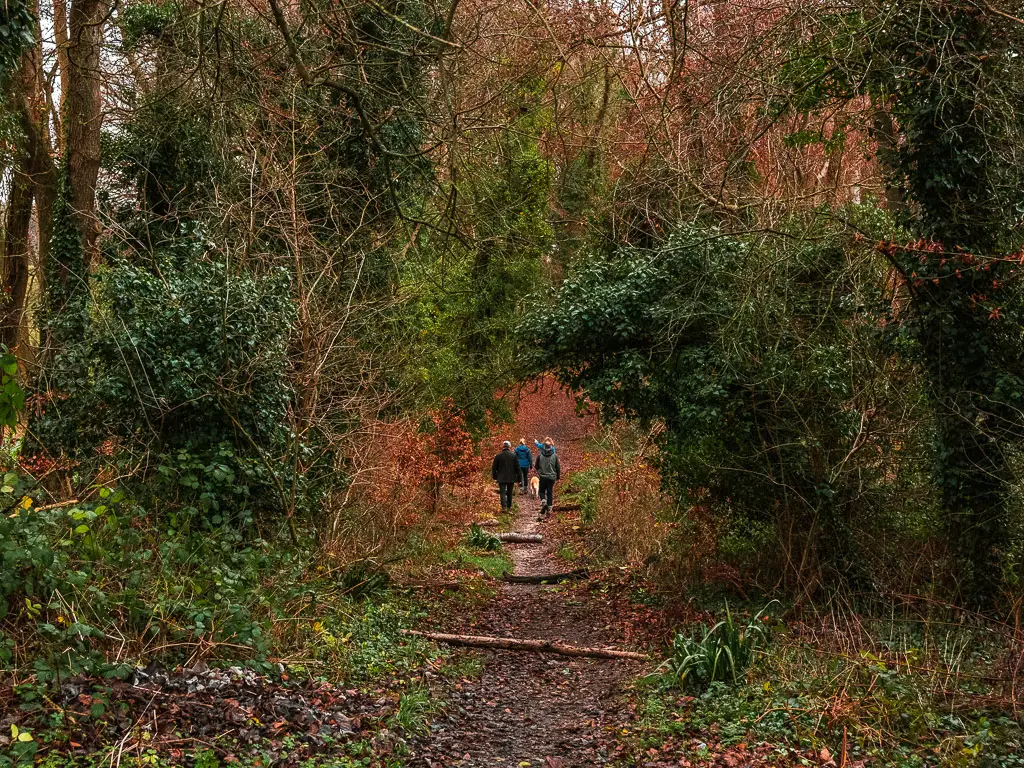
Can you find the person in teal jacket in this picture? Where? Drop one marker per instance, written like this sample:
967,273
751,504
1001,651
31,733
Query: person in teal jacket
525,457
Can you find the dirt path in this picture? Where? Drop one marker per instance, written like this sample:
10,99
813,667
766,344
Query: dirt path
536,709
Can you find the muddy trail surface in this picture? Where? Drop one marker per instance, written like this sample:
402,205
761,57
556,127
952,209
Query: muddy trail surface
537,708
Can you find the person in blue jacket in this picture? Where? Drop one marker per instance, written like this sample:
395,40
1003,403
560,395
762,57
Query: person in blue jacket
525,457
540,446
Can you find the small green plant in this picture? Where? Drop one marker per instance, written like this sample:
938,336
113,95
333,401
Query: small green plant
722,653
414,707
207,759
478,538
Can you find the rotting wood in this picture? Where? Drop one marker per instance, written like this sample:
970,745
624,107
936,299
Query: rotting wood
547,578
534,646
519,538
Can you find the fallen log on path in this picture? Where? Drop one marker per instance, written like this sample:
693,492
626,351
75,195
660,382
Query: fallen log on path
546,578
519,538
535,646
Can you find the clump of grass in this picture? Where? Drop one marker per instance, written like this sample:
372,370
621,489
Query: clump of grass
493,564
568,553
362,579
482,551
414,708
721,653
478,538
463,666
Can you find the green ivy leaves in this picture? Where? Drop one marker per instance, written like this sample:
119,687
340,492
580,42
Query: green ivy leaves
12,396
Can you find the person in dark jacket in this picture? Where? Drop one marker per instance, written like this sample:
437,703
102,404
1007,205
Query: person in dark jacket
548,471
505,470
525,457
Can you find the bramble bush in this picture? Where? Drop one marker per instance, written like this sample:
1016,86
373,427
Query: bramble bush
96,587
632,514
398,471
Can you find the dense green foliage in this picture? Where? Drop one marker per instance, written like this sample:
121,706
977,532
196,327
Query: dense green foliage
950,75
185,349
466,321
17,33
764,362
773,363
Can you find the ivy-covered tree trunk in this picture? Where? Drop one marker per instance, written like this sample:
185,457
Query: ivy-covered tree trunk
951,165
32,184
16,245
973,477
66,297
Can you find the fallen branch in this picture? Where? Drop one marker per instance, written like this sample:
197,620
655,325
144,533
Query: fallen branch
520,538
535,646
548,578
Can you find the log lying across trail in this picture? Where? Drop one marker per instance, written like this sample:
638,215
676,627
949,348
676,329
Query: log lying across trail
519,538
536,646
547,578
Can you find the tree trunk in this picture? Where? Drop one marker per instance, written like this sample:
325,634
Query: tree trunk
535,646
32,181
973,477
83,115
60,39
884,133
15,269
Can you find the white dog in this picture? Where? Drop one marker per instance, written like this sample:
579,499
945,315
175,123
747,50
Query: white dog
534,486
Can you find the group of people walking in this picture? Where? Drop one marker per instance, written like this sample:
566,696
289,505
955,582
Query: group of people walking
512,467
